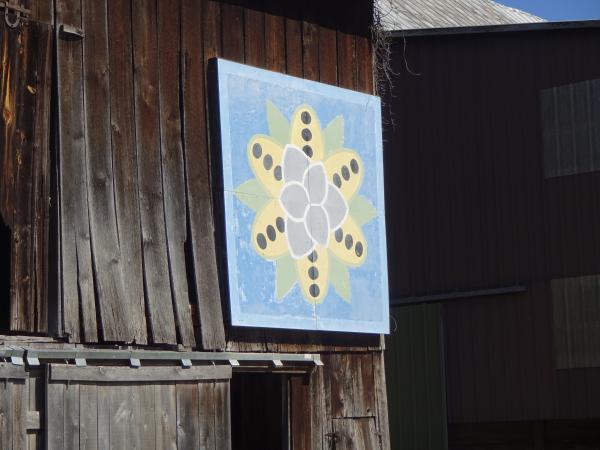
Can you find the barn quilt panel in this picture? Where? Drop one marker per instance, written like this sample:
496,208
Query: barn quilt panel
302,170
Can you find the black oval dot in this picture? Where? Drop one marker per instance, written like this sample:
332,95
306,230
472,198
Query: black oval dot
313,273
358,249
280,224
268,162
339,234
313,256
306,134
305,117
354,166
261,240
345,173
348,241
277,173
337,180
314,290
307,149
256,150
271,233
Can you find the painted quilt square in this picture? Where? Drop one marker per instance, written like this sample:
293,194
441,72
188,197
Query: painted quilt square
304,206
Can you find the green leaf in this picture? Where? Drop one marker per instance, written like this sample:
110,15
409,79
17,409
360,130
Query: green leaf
252,194
362,210
279,126
285,276
333,135
340,278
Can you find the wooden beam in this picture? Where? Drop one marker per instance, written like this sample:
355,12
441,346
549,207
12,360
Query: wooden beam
61,372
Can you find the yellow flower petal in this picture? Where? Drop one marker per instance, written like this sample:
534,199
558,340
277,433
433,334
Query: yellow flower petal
264,156
313,273
305,132
348,243
268,236
345,170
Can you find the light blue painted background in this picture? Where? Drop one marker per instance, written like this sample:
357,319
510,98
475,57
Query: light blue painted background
243,95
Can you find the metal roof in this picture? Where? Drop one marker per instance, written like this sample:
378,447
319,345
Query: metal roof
421,14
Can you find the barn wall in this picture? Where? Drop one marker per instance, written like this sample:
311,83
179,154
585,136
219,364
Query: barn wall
475,211
138,132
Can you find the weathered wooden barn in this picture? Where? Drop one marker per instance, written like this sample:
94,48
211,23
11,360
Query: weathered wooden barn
114,330
493,143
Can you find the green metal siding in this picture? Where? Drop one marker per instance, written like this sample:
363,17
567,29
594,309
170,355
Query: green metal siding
416,379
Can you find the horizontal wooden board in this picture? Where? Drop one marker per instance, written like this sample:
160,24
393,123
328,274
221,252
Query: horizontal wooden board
61,372
10,371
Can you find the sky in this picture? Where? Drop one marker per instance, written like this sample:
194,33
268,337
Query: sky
556,10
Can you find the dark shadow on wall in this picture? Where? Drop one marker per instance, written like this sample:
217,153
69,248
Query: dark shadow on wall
5,259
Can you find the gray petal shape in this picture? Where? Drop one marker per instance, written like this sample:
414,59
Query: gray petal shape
336,207
294,200
318,224
299,241
295,163
315,183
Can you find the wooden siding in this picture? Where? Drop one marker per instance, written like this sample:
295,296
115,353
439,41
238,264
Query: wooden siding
24,163
415,371
465,166
137,413
140,220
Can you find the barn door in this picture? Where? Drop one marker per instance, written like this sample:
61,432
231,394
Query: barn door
149,408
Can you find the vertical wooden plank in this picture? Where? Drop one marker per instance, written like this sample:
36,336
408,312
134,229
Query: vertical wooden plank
293,40
222,416
18,415
300,421
71,414
328,69
275,43
34,403
76,269
322,415
104,414
5,414
88,416
206,415
41,170
121,416
155,260
346,60
166,416
200,215
115,316
9,88
364,61
43,11
55,437
24,63
310,49
188,426
254,37
173,177
381,412
232,30
125,174
145,417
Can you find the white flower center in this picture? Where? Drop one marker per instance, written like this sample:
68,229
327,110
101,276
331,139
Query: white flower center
313,206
